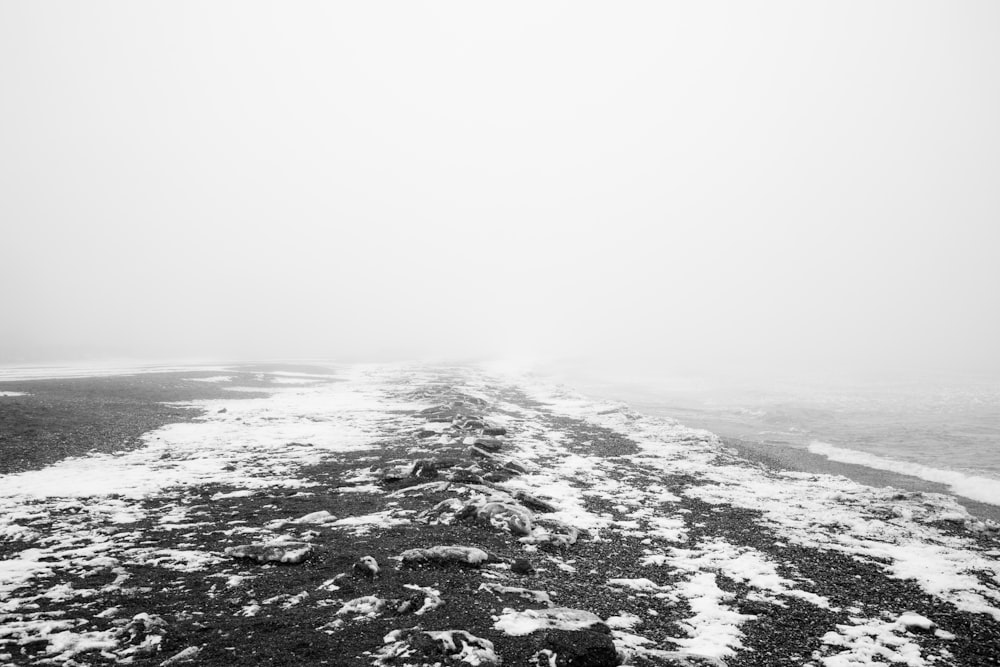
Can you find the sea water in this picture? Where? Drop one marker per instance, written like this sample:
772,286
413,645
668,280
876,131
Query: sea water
941,430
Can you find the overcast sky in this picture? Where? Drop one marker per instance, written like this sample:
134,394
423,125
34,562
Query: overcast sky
693,186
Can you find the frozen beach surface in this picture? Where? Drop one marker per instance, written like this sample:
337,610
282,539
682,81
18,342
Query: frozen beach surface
406,515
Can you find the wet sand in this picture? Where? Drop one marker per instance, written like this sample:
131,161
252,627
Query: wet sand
801,460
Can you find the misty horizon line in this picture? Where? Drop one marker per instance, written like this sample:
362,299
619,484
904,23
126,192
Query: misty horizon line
574,368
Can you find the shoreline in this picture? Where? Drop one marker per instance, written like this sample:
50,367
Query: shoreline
778,458
359,521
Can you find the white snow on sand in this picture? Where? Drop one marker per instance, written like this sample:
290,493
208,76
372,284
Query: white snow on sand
9,373
260,443
215,378
252,444
11,394
885,527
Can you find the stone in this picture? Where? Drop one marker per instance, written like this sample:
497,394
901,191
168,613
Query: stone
499,590
489,444
515,467
552,534
437,647
522,566
290,553
506,516
322,516
425,468
580,648
366,606
913,621
519,623
446,555
366,567
145,631
465,476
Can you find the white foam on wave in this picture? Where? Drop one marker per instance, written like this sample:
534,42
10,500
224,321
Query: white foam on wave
974,487
894,530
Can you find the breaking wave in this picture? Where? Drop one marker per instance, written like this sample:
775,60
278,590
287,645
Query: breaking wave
978,488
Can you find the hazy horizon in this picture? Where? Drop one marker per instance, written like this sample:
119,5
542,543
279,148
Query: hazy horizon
768,188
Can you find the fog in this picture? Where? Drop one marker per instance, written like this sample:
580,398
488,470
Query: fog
670,187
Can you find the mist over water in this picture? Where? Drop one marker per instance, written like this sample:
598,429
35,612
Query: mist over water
772,199
943,429
682,189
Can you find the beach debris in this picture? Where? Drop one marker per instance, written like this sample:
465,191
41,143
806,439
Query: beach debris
419,647
534,502
290,553
491,429
442,513
446,555
518,623
479,453
366,567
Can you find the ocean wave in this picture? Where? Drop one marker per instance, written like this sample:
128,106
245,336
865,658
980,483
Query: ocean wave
974,487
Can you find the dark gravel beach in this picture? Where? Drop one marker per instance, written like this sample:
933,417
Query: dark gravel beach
197,589
58,418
